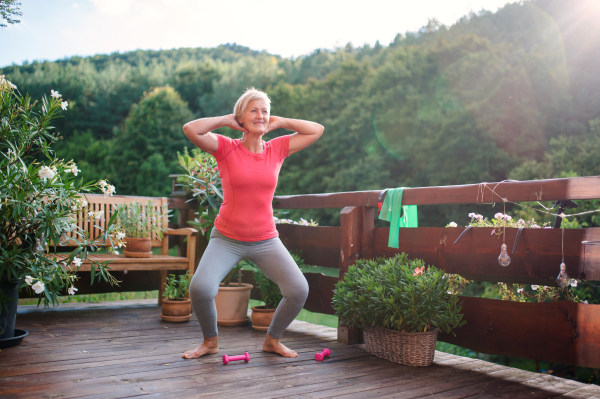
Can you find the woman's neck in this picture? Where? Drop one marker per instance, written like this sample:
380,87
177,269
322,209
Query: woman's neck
253,143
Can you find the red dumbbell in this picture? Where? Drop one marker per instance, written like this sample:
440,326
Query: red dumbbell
320,356
245,357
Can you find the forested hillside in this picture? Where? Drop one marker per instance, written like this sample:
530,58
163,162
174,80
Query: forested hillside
496,95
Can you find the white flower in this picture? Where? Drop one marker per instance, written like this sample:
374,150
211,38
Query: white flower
507,217
72,290
103,183
99,214
546,287
55,94
535,287
120,236
64,105
109,190
573,283
499,216
29,280
520,290
116,252
38,287
46,173
452,224
77,261
449,292
521,222
472,215
303,222
479,217
585,302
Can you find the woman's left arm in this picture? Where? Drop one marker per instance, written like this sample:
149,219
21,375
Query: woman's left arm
307,132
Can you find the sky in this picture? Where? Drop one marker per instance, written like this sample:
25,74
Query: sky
55,29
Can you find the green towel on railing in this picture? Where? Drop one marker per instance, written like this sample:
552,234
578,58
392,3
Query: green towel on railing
398,215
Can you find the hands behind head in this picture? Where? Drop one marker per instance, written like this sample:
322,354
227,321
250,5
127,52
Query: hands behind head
275,122
233,123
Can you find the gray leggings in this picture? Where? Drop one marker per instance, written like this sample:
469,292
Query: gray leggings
270,256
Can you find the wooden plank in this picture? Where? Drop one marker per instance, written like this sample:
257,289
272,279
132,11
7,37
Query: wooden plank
575,188
351,221
320,245
320,293
133,281
183,203
562,332
535,261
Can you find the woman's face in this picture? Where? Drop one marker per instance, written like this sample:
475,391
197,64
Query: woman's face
256,117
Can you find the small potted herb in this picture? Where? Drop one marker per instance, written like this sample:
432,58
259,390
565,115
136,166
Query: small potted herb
176,306
401,304
270,294
140,223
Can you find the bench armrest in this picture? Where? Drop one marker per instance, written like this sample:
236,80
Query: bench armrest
185,231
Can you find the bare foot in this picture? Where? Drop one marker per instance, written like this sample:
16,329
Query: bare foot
273,345
210,345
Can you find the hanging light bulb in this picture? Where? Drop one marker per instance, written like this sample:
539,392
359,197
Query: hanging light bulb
503,259
38,248
63,240
563,278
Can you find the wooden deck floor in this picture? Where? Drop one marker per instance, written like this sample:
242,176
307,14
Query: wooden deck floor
127,351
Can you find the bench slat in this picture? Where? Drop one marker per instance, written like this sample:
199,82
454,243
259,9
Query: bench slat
121,262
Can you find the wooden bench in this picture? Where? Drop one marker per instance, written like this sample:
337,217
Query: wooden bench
163,262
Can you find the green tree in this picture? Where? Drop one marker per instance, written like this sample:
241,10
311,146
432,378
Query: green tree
9,9
145,149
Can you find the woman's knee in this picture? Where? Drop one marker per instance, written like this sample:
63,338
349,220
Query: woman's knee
297,292
201,291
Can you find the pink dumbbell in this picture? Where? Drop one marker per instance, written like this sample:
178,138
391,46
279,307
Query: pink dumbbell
320,356
245,357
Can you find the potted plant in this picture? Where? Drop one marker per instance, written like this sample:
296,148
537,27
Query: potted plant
176,305
139,223
233,298
203,182
270,294
40,198
401,304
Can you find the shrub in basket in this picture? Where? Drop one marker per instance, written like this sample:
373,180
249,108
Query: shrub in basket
176,306
401,304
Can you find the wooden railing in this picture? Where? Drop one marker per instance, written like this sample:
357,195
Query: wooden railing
563,332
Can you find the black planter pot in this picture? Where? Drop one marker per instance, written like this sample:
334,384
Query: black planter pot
8,315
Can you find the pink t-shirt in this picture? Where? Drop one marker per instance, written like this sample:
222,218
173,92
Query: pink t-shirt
248,181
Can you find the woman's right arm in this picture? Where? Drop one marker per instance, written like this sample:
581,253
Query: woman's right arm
199,131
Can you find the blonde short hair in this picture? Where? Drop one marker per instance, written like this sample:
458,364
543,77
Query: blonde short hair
250,94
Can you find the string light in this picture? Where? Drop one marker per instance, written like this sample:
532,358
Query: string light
504,259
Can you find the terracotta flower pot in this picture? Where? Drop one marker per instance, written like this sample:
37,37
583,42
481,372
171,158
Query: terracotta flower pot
232,304
261,318
138,247
176,311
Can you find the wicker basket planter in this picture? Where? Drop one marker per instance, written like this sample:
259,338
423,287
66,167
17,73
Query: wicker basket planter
410,349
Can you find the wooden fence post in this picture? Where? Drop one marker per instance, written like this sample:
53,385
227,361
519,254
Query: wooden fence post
357,225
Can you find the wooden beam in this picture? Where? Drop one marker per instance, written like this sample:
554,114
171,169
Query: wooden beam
563,332
575,188
320,245
351,221
320,291
536,259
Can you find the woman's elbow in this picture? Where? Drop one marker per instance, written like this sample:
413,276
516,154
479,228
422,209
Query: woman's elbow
187,130
320,130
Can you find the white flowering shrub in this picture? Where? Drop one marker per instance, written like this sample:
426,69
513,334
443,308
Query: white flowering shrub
40,198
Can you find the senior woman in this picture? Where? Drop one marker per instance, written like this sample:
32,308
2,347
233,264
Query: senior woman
244,227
